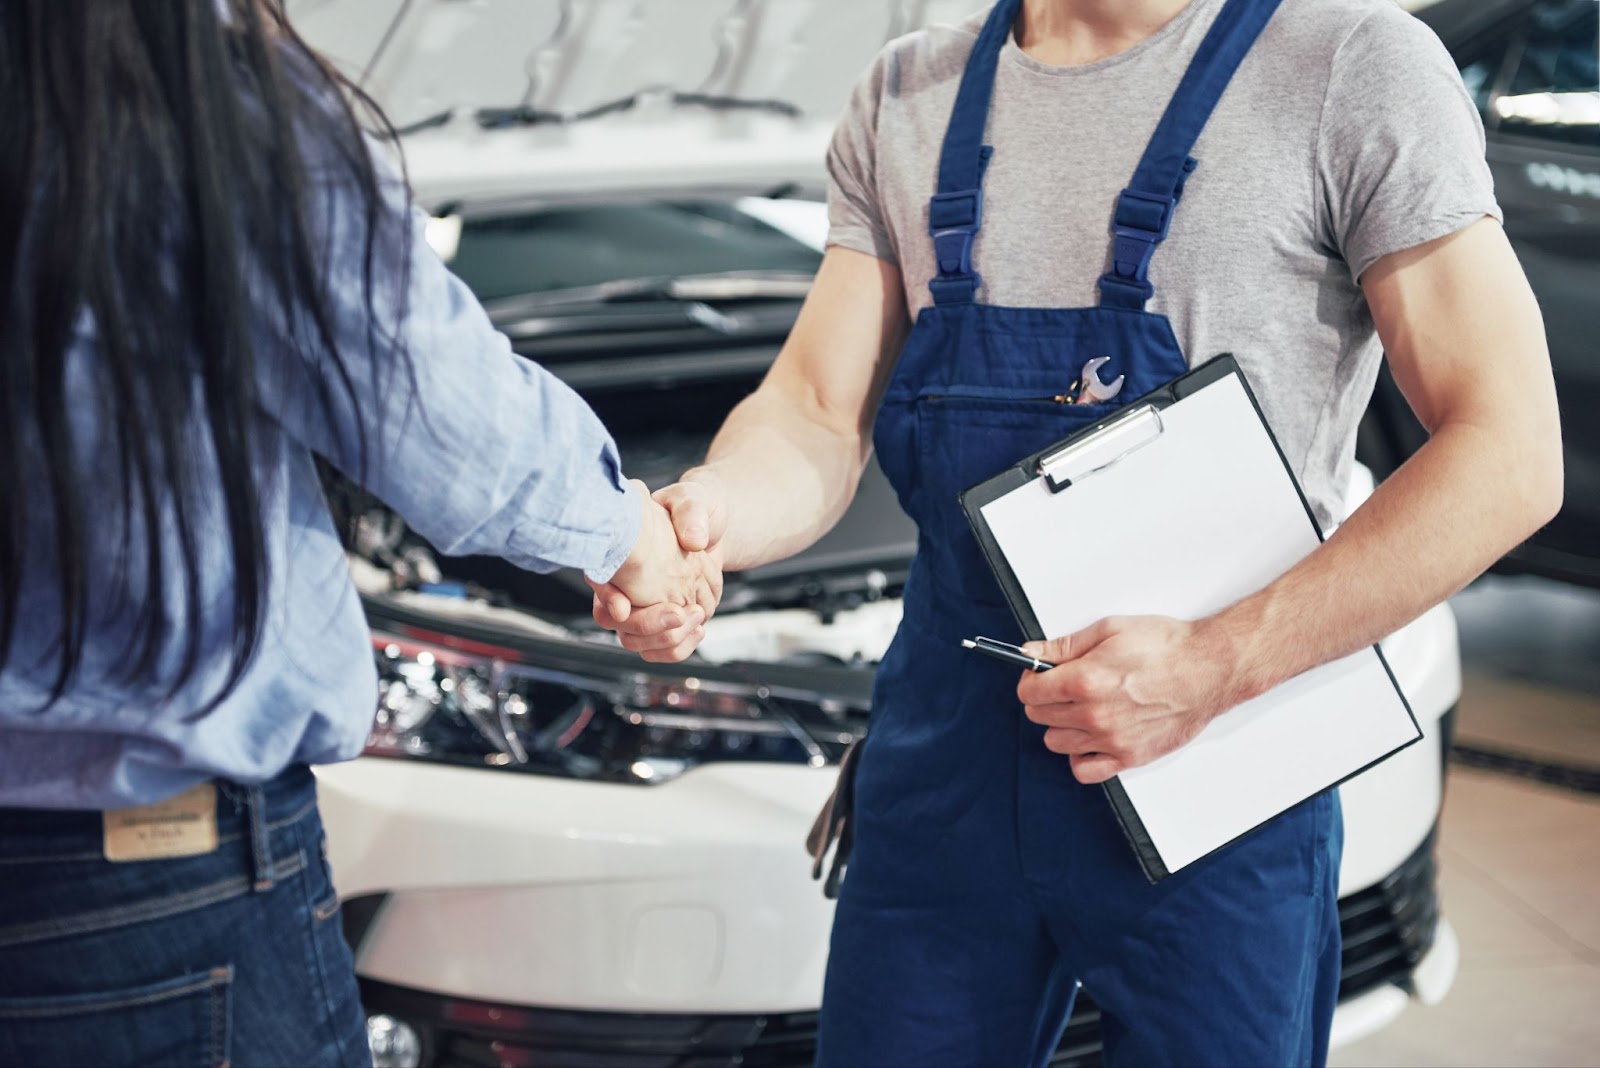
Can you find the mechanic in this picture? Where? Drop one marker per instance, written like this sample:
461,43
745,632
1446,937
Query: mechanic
209,280
1316,195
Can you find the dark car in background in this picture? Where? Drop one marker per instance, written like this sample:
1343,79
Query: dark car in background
1533,68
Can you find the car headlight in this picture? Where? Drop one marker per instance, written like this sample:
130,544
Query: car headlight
445,705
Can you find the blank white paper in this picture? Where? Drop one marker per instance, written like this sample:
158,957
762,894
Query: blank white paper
1202,516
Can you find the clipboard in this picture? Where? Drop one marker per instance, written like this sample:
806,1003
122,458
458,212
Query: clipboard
1185,503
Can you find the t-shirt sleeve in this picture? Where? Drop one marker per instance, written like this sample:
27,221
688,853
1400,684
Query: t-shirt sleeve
855,211
1400,149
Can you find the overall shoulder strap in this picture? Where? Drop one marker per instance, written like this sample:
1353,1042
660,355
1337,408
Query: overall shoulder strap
956,210
1144,209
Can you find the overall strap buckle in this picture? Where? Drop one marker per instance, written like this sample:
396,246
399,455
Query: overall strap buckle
1144,210
953,222
1138,225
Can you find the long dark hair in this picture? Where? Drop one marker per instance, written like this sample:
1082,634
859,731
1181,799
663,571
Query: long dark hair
154,190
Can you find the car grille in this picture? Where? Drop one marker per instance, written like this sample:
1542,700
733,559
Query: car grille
1386,928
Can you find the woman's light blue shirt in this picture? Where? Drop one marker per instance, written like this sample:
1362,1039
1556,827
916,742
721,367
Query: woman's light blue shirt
488,454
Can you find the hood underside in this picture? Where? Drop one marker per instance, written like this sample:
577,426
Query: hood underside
421,58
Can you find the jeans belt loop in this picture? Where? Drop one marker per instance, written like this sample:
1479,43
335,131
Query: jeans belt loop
261,862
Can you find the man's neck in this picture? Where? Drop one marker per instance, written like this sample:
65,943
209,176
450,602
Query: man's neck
1070,33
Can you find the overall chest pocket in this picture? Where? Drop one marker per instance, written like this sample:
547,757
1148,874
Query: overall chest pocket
968,434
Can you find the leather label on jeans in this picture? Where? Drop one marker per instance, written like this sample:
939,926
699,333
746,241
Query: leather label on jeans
182,826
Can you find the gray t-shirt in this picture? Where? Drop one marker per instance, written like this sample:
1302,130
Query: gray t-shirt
1345,135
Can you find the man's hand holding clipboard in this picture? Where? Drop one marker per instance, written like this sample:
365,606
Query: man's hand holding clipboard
1187,511
1128,690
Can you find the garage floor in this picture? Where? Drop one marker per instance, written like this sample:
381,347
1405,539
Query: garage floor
1521,857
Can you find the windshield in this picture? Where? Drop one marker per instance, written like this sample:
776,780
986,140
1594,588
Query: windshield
563,247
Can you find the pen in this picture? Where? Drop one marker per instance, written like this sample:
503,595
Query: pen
1011,654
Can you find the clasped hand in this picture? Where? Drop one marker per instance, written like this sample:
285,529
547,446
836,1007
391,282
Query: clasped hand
659,600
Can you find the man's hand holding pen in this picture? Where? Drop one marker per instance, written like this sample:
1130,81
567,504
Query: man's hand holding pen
1128,690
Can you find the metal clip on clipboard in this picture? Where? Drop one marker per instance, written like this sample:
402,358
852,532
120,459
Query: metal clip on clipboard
1127,433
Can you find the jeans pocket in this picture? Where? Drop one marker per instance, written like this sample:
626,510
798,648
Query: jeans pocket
183,1022
335,1000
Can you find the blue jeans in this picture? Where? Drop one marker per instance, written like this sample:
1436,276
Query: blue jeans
235,957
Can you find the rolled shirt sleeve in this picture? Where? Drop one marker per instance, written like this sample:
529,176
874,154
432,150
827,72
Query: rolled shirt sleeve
477,448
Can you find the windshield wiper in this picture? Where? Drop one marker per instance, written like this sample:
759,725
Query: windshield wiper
497,118
725,286
523,115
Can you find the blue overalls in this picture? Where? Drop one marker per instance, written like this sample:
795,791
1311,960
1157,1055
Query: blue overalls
985,882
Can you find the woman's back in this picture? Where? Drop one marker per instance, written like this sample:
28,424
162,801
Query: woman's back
213,281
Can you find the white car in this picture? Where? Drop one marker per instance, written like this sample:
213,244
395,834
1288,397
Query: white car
554,853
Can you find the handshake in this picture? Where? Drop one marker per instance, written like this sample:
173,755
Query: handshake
660,598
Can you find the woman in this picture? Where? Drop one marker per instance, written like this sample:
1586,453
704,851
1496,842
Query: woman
209,283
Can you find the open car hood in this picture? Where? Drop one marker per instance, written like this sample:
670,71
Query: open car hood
422,58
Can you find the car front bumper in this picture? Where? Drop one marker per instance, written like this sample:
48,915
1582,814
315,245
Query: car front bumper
1395,946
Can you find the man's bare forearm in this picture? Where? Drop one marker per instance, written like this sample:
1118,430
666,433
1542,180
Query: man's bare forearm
1436,524
786,476
788,459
